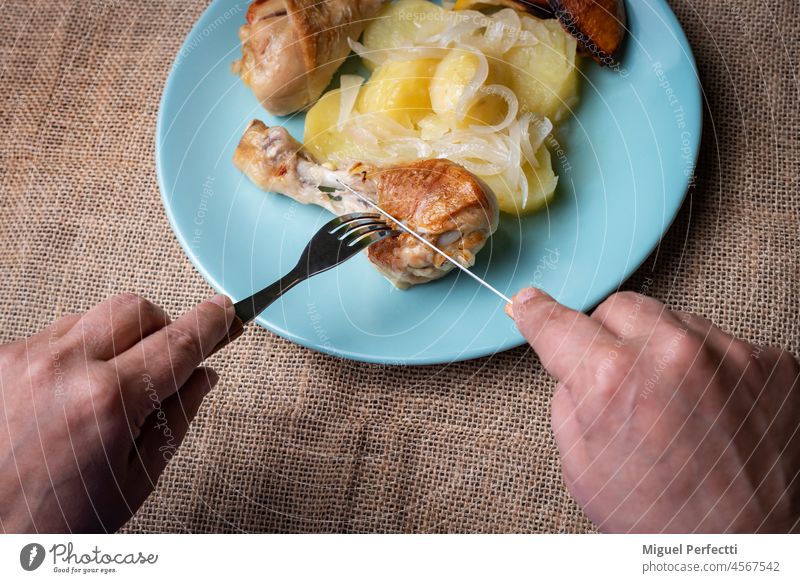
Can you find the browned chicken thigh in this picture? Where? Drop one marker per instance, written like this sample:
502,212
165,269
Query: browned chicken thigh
292,48
438,199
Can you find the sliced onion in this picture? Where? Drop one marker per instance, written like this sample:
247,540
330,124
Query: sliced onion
433,127
515,139
510,27
460,24
430,29
410,53
375,57
386,140
471,88
492,148
477,167
527,149
385,127
525,38
525,188
361,135
543,129
350,86
531,142
513,108
410,148
453,34
469,156
483,155
493,37
502,31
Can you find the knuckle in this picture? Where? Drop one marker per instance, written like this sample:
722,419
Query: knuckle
102,379
673,344
613,371
630,297
128,299
184,344
62,327
135,303
610,303
151,314
623,301
212,313
108,403
41,372
688,348
672,330
601,312
690,319
563,319
103,389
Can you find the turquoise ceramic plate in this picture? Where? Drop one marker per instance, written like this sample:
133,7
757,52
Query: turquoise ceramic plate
630,152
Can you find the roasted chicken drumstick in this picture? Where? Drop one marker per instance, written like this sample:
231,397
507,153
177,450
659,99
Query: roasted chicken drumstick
438,199
292,48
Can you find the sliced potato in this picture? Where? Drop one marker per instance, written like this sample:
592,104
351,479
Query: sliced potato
400,90
542,183
321,137
399,23
452,75
544,76
451,78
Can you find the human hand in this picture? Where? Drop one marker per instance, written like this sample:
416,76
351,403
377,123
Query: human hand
665,423
94,407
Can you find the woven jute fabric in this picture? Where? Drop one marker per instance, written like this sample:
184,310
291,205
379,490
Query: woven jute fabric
294,441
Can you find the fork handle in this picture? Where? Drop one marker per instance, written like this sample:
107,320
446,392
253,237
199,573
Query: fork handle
247,309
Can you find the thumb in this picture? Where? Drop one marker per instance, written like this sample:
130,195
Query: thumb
563,338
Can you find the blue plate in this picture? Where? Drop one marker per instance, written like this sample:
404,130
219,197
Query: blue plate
630,154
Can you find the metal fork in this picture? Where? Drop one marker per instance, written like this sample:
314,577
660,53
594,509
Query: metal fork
336,242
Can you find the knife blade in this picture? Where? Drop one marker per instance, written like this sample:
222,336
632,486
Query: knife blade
424,241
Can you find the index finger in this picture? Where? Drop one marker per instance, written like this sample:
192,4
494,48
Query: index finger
565,340
168,357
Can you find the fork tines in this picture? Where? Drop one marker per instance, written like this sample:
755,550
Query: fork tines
356,228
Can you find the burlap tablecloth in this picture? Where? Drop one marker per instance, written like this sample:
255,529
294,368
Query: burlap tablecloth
295,441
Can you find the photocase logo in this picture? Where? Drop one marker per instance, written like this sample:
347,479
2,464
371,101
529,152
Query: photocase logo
31,556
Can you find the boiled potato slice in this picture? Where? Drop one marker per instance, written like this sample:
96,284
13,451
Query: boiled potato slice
399,23
453,74
545,78
400,90
542,183
321,138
